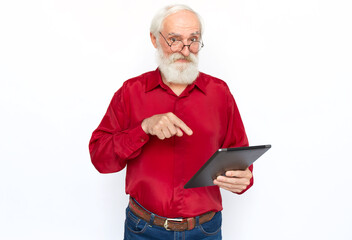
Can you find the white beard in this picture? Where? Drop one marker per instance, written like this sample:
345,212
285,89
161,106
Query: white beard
178,72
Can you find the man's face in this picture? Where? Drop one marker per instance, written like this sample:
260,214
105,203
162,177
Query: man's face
179,67
181,26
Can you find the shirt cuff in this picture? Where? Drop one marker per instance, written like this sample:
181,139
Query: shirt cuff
137,137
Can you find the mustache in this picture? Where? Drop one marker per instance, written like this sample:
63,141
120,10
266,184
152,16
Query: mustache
178,56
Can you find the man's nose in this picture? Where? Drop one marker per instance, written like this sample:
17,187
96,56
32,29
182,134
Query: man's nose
185,51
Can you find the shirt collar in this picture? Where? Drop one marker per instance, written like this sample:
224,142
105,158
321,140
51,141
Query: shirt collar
155,80
200,83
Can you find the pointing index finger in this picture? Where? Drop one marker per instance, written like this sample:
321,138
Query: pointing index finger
179,123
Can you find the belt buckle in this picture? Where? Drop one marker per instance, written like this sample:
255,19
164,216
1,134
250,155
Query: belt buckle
166,224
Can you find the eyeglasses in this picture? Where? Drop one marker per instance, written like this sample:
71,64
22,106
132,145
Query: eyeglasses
177,45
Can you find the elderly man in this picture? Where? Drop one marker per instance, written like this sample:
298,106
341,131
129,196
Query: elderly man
164,125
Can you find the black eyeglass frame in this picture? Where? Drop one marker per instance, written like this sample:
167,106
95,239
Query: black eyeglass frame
184,45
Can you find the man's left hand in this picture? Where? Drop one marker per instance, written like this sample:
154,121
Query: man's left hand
234,181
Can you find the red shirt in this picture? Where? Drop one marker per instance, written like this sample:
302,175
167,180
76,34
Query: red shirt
158,169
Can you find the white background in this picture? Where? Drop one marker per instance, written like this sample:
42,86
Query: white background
288,64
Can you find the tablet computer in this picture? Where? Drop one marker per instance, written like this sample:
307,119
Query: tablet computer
226,159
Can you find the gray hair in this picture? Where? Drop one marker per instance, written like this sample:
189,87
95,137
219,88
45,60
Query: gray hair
158,20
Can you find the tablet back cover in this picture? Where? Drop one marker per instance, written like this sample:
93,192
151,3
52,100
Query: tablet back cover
223,160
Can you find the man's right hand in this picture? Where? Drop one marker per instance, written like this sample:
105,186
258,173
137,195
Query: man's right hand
165,126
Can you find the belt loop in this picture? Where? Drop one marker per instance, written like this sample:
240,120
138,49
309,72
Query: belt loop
191,223
151,219
197,221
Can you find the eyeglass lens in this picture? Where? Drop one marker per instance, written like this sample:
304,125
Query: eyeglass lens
178,46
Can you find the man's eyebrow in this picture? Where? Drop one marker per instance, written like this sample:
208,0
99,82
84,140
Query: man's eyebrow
195,33
174,34
179,35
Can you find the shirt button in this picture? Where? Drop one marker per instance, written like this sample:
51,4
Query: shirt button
142,140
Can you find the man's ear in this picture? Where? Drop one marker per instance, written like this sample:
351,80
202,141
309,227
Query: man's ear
153,38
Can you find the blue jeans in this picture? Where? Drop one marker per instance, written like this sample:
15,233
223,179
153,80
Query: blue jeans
138,229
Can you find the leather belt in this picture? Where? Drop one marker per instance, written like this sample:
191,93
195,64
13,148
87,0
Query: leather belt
170,224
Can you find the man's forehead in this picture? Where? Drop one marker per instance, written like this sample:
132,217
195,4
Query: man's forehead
182,22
